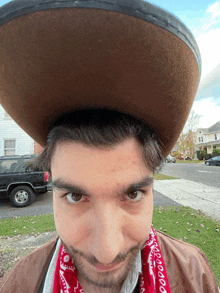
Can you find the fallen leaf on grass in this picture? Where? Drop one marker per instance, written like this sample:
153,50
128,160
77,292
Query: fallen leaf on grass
197,231
178,210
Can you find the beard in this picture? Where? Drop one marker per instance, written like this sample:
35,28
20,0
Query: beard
114,279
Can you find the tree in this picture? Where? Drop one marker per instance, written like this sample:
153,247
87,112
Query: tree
187,140
184,144
192,122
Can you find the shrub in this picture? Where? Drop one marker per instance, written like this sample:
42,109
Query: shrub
207,156
216,153
200,154
177,155
191,156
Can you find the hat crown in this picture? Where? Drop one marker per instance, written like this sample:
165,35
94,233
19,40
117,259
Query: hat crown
129,56
137,8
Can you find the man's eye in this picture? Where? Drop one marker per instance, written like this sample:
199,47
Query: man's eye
74,197
135,195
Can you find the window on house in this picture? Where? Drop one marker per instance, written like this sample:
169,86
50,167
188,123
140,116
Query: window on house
9,147
215,136
199,139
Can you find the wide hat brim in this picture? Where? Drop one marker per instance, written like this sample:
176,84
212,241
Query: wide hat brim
130,56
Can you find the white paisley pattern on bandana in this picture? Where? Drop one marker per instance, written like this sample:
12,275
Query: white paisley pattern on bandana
154,277
152,280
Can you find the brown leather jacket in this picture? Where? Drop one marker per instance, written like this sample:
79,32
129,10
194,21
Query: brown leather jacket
187,267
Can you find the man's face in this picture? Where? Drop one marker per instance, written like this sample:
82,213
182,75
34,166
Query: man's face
103,205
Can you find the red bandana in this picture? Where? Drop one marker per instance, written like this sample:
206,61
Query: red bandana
152,280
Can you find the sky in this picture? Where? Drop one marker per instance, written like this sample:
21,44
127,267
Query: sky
202,17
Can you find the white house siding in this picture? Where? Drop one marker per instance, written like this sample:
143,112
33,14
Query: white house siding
10,130
209,138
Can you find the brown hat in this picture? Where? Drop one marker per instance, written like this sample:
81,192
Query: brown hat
128,55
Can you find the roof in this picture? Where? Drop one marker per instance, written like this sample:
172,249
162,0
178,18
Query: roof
208,143
211,129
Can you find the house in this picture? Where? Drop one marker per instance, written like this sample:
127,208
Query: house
13,139
208,139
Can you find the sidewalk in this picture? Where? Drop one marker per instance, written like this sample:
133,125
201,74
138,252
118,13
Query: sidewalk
193,194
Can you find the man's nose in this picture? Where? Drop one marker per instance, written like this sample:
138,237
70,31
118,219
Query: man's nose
106,238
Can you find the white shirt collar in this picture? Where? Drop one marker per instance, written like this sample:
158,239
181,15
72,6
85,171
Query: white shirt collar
133,276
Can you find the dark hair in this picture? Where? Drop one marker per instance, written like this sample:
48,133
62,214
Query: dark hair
101,128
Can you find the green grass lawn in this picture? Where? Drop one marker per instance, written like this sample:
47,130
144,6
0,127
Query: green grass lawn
158,176
27,225
179,222
193,227
189,162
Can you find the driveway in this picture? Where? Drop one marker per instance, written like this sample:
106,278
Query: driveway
43,205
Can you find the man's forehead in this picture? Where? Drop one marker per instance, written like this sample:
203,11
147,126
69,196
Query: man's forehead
75,164
127,148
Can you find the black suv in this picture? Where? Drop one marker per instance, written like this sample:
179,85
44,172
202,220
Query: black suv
21,180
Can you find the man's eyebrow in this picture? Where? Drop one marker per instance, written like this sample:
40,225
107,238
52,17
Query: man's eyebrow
147,181
61,184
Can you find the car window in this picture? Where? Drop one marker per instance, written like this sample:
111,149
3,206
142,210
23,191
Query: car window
30,165
7,166
19,165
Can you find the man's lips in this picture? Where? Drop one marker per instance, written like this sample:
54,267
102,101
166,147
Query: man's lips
107,267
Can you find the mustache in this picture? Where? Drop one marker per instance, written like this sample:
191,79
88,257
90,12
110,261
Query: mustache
92,259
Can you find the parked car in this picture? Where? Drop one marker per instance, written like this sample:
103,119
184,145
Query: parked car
213,161
188,159
170,159
21,180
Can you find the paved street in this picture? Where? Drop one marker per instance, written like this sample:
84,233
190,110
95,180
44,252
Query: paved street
209,175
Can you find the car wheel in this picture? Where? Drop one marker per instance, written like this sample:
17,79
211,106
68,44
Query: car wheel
207,163
22,196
